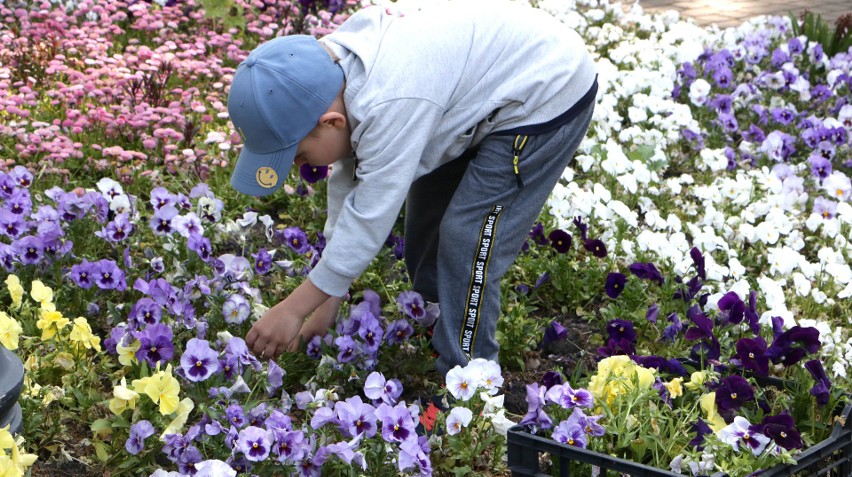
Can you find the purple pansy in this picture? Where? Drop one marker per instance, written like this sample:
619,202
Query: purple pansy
155,344
397,422
199,361
355,417
739,434
535,417
255,443
398,332
568,397
296,239
139,431
571,434
312,174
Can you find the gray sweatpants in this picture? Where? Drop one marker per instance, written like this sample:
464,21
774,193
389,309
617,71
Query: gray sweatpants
465,223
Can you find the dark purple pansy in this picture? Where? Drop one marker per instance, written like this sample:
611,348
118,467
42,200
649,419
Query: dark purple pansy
619,330
346,347
596,247
793,345
554,332
732,308
312,174
537,234
732,392
652,313
673,330
398,331
646,271
822,389
698,261
107,275
703,328
551,378
701,429
781,429
751,353
615,284
560,240
583,228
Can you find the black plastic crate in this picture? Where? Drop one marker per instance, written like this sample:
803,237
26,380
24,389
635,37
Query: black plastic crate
830,458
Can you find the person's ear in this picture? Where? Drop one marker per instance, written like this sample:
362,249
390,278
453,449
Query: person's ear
333,119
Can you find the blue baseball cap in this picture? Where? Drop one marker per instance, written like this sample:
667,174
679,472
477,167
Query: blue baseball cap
277,97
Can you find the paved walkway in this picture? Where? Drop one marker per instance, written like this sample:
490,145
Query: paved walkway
729,13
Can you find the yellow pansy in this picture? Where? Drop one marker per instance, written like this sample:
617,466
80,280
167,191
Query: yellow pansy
10,330
19,461
163,388
123,398
708,404
31,364
675,387
184,408
41,293
127,354
50,323
140,384
696,380
15,289
616,375
7,467
52,393
81,333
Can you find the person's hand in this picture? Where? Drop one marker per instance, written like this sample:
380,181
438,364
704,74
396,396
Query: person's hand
275,332
321,320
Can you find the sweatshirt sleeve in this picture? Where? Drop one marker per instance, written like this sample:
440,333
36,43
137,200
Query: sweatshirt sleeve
390,142
340,184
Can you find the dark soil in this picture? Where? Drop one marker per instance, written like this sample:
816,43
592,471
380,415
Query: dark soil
576,352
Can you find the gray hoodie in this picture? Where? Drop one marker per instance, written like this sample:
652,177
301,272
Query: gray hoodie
423,88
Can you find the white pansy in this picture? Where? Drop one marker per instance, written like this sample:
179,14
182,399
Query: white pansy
801,284
698,92
838,186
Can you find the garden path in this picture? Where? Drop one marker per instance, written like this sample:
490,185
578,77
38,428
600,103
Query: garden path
731,13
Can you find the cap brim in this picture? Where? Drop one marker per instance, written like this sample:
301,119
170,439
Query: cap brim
262,174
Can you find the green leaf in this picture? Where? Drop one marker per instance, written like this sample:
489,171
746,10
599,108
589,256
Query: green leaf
102,450
102,426
462,471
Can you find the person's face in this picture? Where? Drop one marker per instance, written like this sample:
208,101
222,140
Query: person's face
327,143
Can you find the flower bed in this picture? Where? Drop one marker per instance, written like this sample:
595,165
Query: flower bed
704,228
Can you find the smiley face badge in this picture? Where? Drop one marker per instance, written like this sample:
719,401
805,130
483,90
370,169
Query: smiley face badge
266,177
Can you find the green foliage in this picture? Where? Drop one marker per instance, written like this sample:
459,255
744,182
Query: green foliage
228,12
816,29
